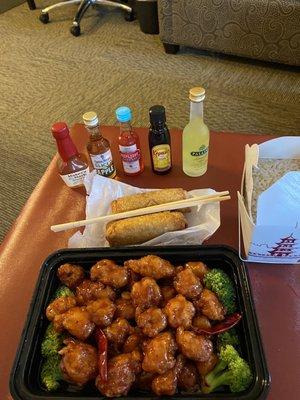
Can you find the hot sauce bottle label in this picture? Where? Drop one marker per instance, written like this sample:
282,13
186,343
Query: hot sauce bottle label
103,163
130,156
161,156
76,178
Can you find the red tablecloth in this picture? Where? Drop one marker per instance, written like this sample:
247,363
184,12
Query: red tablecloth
275,287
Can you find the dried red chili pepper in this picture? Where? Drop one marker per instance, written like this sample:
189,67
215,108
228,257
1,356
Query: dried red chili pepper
229,322
102,353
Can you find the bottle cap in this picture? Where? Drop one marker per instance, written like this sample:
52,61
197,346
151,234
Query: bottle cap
60,130
197,94
157,114
66,147
123,114
90,118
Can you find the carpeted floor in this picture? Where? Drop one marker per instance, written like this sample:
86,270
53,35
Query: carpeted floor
47,75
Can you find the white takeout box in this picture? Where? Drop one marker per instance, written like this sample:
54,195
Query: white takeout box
275,237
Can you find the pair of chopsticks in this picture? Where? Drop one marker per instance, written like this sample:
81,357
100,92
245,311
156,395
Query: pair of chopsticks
174,205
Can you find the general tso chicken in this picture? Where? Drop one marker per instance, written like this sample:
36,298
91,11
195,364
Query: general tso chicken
146,325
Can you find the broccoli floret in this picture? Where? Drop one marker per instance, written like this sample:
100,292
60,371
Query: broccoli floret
51,374
231,370
219,282
228,337
63,291
52,342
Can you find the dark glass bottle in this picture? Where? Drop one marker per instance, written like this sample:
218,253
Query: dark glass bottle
159,141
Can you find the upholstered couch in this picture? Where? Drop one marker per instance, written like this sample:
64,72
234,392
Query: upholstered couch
261,29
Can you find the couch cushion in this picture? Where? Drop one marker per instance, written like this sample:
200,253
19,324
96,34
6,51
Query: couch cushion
262,29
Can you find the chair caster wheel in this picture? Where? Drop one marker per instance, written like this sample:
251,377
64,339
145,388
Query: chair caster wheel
44,18
75,30
129,16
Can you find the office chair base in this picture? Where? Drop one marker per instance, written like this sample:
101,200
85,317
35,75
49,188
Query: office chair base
75,30
129,16
44,17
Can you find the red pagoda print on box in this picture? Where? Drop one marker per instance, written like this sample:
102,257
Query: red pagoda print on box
284,248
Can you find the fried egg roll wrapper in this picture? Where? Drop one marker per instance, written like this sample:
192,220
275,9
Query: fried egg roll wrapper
137,230
153,198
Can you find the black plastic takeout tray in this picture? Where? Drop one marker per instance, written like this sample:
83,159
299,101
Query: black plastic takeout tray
25,382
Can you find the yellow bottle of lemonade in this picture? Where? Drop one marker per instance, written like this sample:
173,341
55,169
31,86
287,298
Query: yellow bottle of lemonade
195,137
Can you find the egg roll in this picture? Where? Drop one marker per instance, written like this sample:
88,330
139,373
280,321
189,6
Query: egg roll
147,199
137,230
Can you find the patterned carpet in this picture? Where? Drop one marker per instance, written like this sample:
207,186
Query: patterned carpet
46,75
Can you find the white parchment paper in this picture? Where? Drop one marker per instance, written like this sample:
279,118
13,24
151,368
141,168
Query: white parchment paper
203,220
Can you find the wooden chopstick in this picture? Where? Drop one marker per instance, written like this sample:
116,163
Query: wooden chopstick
175,205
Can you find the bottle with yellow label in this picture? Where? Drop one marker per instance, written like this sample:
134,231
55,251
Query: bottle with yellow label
159,141
195,137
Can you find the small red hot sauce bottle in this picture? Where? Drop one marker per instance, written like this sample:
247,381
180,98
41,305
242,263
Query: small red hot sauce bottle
129,144
72,166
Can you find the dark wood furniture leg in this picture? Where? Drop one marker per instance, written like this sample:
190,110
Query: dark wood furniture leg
171,48
31,4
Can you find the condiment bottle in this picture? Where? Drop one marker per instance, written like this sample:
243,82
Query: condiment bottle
98,147
159,141
72,166
129,144
195,137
